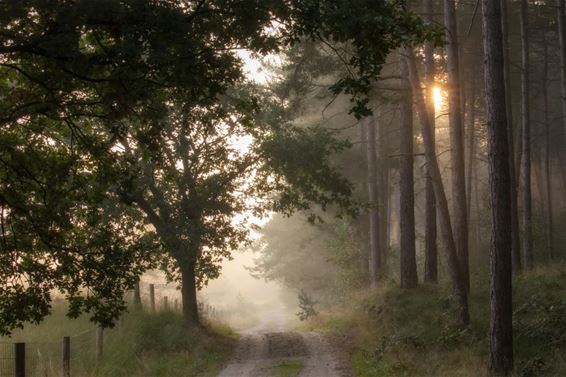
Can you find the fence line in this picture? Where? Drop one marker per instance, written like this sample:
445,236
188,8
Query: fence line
60,358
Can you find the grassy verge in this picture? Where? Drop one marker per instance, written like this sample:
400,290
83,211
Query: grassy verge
144,345
392,332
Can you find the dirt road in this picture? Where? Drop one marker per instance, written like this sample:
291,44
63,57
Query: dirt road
268,345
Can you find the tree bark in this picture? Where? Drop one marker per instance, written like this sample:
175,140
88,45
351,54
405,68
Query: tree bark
456,140
408,262
373,197
516,243
460,290
547,166
562,37
471,141
431,248
189,293
501,330
383,189
526,141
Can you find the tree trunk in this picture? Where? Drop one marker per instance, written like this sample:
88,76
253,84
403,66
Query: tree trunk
189,293
362,221
471,141
456,140
547,167
408,263
431,248
501,330
562,37
460,290
526,141
373,197
383,190
516,243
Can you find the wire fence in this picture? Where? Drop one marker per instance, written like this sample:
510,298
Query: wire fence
7,367
84,350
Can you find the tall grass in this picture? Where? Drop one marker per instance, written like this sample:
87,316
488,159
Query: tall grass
144,344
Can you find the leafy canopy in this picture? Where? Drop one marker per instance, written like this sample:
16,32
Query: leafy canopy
82,79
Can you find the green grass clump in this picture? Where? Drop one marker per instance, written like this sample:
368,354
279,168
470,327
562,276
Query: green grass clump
288,368
397,332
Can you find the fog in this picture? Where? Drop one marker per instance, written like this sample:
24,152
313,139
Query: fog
236,298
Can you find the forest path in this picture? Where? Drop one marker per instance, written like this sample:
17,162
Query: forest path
266,346
258,354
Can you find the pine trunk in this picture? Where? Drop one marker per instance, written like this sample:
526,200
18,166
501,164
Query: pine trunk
547,166
431,248
456,140
562,37
471,142
383,190
526,141
373,197
516,243
501,330
408,262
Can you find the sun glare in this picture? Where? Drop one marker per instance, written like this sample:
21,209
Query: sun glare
437,97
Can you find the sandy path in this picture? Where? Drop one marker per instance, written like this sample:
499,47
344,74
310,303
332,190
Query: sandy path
269,344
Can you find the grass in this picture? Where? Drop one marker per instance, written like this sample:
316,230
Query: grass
145,345
288,369
394,332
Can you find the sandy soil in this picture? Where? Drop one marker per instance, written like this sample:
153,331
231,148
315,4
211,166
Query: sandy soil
270,343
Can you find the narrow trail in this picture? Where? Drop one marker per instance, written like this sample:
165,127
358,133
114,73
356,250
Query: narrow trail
270,343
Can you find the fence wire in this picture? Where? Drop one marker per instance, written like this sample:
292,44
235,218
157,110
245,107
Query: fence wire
83,352
44,359
7,359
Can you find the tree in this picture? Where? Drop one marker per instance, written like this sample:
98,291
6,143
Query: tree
526,139
458,282
383,186
111,81
431,249
83,73
501,331
517,265
547,153
408,263
376,251
456,139
561,15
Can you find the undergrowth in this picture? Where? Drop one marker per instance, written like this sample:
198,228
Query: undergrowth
394,332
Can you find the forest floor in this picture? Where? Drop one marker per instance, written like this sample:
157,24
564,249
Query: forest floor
394,332
270,349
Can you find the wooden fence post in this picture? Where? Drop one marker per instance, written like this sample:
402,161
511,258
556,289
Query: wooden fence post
99,343
20,359
165,303
66,356
152,297
137,295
